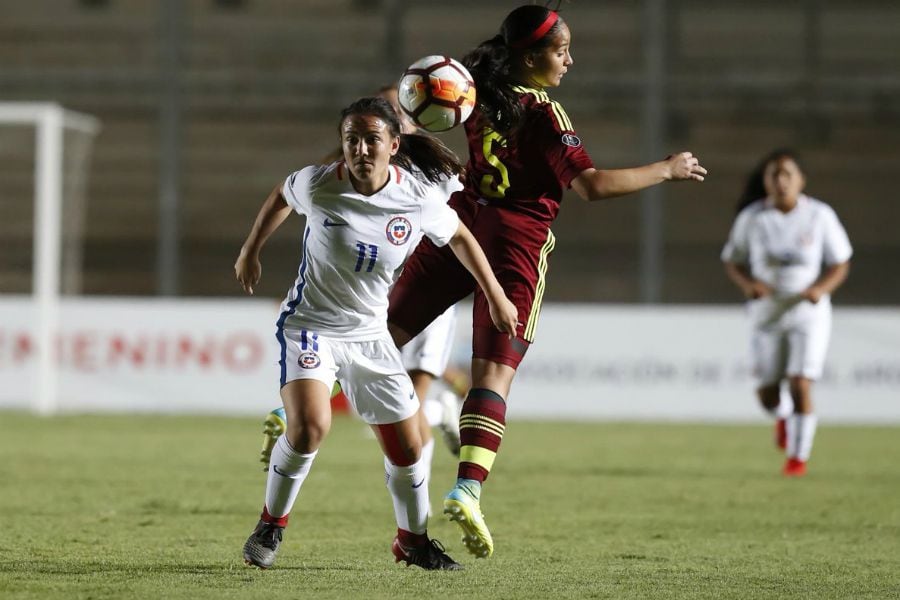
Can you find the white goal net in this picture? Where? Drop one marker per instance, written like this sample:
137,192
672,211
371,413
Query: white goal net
44,160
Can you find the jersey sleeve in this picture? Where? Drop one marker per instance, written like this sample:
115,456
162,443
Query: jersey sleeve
296,190
450,185
737,248
837,248
439,221
561,147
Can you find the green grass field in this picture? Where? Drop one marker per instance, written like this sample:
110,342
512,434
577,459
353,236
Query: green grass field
159,507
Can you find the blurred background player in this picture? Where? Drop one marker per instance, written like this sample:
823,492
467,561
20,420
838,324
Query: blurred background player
754,189
426,357
787,253
523,154
364,216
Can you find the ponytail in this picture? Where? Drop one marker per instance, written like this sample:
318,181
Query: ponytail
429,155
498,103
754,187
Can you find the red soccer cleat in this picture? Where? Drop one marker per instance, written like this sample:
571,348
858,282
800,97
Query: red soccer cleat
794,467
781,433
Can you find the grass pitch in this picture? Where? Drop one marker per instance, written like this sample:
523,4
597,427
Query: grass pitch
159,507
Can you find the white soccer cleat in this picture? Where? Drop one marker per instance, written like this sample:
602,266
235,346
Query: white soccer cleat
449,425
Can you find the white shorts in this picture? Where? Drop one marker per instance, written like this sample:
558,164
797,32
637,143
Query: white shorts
793,346
430,350
371,373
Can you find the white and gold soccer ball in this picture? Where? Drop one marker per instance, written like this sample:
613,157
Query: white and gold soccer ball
437,93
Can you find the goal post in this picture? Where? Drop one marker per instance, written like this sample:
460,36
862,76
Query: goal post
51,122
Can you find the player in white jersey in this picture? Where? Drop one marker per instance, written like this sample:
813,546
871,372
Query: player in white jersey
426,357
364,216
787,253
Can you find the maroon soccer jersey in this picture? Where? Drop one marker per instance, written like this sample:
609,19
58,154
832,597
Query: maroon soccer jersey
512,194
529,172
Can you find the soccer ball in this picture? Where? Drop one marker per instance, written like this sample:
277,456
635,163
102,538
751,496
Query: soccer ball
437,93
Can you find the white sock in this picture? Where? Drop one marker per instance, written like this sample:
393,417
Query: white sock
801,429
409,491
785,406
434,411
287,472
427,457
808,426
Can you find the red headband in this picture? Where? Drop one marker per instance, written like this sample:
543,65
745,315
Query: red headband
538,33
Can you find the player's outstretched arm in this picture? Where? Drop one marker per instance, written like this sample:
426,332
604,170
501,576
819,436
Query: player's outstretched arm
598,184
272,214
503,311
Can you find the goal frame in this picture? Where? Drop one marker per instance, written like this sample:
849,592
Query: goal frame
50,121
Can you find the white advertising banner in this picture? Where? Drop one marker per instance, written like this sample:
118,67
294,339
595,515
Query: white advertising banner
690,363
588,362
147,355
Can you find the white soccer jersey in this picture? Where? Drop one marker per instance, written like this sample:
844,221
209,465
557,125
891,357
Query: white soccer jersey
430,350
786,251
447,186
355,245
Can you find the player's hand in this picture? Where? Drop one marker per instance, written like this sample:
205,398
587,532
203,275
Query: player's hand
812,293
505,316
247,270
757,289
685,166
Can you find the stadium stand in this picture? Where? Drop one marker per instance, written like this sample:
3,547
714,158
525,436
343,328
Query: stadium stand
262,82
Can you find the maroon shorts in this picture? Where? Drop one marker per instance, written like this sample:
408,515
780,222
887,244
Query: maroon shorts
517,247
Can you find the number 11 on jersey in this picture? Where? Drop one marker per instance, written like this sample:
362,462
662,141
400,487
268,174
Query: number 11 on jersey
365,251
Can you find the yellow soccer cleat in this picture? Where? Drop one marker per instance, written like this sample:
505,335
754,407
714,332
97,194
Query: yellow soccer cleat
273,428
465,511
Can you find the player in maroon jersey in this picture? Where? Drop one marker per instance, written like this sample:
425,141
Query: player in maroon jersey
523,154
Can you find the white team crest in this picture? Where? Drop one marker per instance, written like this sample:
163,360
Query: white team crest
309,360
398,231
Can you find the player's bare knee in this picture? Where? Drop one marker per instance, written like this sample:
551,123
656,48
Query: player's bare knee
769,396
399,336
307,435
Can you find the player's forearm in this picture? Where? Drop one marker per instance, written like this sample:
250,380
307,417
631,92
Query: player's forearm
593,184
832,278
271,215
610,183
738,275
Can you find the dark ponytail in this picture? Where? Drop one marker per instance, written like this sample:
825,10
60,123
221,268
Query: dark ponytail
755,186
436,162
491,64
498,103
